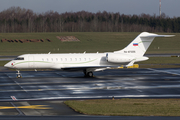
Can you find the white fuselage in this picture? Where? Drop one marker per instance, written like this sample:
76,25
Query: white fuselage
59,61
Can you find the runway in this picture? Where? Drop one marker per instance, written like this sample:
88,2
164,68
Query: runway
42,93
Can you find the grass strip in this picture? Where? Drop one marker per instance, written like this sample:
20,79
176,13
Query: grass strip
127,107
2,63
91,42
161,62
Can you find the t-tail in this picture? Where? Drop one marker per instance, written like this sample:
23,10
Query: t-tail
140,44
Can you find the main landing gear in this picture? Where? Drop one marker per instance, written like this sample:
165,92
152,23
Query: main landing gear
18,74
88,73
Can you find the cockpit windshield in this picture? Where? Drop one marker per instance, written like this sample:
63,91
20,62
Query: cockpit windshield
19,58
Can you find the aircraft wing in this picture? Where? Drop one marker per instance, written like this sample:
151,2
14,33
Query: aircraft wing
93,68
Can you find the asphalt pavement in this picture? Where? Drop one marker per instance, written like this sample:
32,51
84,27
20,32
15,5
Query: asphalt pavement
42,93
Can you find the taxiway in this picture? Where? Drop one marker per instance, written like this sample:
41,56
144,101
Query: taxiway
42,93
60,85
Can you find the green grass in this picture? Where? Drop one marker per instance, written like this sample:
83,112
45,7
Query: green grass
161,62
2,63
89,42
127,107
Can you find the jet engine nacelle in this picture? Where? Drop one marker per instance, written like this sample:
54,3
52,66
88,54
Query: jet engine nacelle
118,58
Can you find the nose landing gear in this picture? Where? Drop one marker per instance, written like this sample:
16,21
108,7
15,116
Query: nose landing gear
18,75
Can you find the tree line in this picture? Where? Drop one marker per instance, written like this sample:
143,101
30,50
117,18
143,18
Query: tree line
16,19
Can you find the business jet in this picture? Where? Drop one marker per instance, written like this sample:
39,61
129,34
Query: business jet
87,62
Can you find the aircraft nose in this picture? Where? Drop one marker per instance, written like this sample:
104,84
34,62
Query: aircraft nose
8,65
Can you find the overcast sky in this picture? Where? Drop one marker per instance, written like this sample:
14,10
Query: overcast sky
170,7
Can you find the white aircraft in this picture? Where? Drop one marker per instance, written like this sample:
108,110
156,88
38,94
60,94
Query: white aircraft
87,62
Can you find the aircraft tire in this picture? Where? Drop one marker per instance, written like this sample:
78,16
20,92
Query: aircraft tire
90,74
18,76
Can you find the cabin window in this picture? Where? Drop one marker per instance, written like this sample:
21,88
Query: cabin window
51,59
47,59
65,59
71,59
42,59
75,59
19,58
79,59
84,59
56,59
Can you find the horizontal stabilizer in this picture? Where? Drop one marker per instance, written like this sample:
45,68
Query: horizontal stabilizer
152,36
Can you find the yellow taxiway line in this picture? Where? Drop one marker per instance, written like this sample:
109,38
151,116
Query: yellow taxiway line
27,107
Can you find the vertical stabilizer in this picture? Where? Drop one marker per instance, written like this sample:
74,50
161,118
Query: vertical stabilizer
140,44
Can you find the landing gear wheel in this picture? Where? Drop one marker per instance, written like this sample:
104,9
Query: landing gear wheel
18,74
90,74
